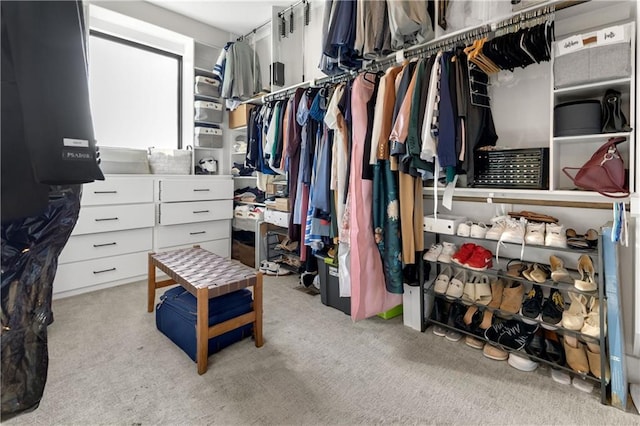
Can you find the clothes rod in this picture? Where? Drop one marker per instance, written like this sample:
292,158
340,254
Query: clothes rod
253,31
282,12
273,95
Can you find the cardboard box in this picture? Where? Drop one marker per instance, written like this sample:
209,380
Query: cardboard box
443,225
282,204
244,253
239,117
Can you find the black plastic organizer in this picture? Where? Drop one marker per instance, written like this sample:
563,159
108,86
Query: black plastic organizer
526,168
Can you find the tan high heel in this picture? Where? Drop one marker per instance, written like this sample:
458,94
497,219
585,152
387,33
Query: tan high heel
576,355
587,272
558,272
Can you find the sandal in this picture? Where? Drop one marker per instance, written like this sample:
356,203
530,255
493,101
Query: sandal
442,281
587,272
456,285
483,290
469,292
515,268
539,274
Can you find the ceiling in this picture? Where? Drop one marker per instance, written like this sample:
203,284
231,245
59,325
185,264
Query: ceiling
235,16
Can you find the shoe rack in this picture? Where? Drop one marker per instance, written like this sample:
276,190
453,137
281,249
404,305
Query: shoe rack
498,271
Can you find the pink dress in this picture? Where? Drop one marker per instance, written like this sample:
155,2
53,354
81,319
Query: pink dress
369,295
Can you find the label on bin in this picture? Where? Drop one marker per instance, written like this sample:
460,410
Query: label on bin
569,45
611,35
333,271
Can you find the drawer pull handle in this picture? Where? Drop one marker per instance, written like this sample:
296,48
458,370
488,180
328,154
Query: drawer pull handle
201,190
104,270
201,211
105,192
106,218
196,233
105,244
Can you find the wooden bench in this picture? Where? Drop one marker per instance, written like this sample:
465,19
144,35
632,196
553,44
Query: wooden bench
207,275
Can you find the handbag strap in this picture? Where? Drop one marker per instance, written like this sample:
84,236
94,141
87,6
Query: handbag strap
624,192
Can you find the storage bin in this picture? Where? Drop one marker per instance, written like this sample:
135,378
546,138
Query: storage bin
208,112
239,116
115,160
276,217
578,61
577,118
176,318
526,168
330,286
170,161
208,137
207,86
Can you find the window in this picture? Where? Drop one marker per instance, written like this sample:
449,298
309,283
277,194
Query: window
136,93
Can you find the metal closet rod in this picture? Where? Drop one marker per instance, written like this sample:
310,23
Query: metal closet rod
282,12
253,31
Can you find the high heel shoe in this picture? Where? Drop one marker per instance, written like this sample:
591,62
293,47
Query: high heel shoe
558,272
587,272
573,318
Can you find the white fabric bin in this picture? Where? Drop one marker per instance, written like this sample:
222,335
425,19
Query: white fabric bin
207,137
207,86
208,112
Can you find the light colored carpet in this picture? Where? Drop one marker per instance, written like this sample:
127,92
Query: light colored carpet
109,365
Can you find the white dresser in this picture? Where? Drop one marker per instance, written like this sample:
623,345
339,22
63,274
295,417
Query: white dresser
125,217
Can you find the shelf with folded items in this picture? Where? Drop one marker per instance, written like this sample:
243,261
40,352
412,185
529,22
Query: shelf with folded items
523,353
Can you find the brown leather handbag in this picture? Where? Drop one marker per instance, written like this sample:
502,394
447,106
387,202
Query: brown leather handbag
604,172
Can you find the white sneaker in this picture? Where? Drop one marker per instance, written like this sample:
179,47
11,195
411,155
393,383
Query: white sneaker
555,236
448,250
514,231
478,230
433,253
498,226
464,229
535,233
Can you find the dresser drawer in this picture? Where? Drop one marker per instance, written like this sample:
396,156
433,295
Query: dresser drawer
172,190
196,211
191,233
95,219
92,246
118,191
220,247
72,276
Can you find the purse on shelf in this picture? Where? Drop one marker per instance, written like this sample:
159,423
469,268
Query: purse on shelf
604,172
613,119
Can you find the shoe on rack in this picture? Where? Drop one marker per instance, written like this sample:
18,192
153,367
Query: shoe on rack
555,236
494,332
559,376
532,305
442,281
535,233
483,290
540,273
455,319
469,292
432,254
591,326
552,309
498,225
573,318
516,334
587,272
576,355
497,287
474,342
553,351
514,231
439,330
448,249
536,345
495,353
478,230
480,260
559,273
463,254
512,298
522,363
464,229
596,368
456,285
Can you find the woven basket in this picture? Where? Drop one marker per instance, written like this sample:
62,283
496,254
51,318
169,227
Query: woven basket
170,161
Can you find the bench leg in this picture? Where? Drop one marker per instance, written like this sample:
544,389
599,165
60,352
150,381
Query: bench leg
151,284
257,307
202,330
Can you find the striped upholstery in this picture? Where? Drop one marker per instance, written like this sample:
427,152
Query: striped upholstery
195,268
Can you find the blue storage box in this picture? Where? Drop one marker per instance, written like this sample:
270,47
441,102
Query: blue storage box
176,318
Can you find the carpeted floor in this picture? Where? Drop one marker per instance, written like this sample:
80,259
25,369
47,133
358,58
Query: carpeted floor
109,365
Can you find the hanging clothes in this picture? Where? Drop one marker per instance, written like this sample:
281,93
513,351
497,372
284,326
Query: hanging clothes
341,35
292,151
373,37
241,73
409,23
368,291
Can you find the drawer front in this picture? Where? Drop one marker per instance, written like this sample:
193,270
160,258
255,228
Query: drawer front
94,219
93,246
72,276
195,189
118,191
197,211
220,247
191,233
